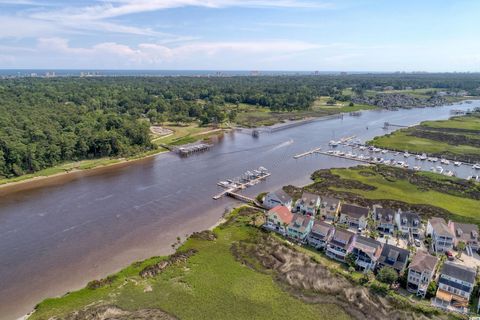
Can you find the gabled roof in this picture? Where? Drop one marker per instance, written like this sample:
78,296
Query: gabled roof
367,245
459,272
423,261
440,227
309,198
282,195
300,222
353,210
282,213
384,215
465,232
341,237
410,218
394,256
330,201
321,228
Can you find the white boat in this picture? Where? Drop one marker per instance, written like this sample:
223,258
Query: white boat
341,153
476,166
444,161
469,178
457,163
362,148
405,165
333,143
330,151
384,151
422,157
449,173
434,159
439,169
406,154
387,162
417,168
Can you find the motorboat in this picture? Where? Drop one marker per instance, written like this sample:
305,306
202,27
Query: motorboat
333,143
406,154
457,163
476,166
417,168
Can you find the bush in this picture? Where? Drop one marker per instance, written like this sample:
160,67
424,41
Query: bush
431,290
387,275
379,288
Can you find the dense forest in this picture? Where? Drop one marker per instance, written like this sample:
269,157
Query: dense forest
44,122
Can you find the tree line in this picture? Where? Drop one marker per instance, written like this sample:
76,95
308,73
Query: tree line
44,122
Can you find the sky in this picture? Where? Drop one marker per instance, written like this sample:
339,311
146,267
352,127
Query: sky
290,35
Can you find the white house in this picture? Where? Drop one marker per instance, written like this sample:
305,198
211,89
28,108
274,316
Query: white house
421,271
278,218
277,198
455,285
354,217
308,204
442,237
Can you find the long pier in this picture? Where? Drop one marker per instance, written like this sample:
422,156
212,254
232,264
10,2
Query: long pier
232,190
301,155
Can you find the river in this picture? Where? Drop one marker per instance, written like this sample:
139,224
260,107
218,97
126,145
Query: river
57,237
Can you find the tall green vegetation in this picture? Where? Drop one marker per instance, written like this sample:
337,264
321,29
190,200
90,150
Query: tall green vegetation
44,122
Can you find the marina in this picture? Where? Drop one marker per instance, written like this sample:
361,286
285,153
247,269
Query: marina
139,210
248,179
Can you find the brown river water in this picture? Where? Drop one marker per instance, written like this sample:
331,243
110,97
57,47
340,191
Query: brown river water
66,231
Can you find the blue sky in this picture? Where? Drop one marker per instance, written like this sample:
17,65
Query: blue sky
348,35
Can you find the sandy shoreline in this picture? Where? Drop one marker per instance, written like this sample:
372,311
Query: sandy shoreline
62,177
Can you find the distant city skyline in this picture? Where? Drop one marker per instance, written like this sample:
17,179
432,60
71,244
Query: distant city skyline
289,35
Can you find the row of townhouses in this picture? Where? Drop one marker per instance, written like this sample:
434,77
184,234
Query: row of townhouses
311,223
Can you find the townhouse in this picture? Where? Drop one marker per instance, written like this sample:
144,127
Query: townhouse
393,257
442,236
340,244
320,234
421,272
278,218
366,251
466,233
455,285
384,219
329,208
353,216
308,204
408,223
277,198
300,227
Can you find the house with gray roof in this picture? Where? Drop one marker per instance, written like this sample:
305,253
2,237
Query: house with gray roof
329,208
366,251
408,223
308,204
277,198
340,244
353,216
455,285
421,271
443,237
466,233
393,257
320,234
384,219
300,227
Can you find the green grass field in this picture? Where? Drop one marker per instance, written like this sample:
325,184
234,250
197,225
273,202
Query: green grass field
252,116
403,190
446,134
211,285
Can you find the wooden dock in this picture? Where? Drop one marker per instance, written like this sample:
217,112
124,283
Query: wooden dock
301,155
232,191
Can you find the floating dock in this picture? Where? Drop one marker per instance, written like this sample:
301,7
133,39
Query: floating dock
188,149
247,180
